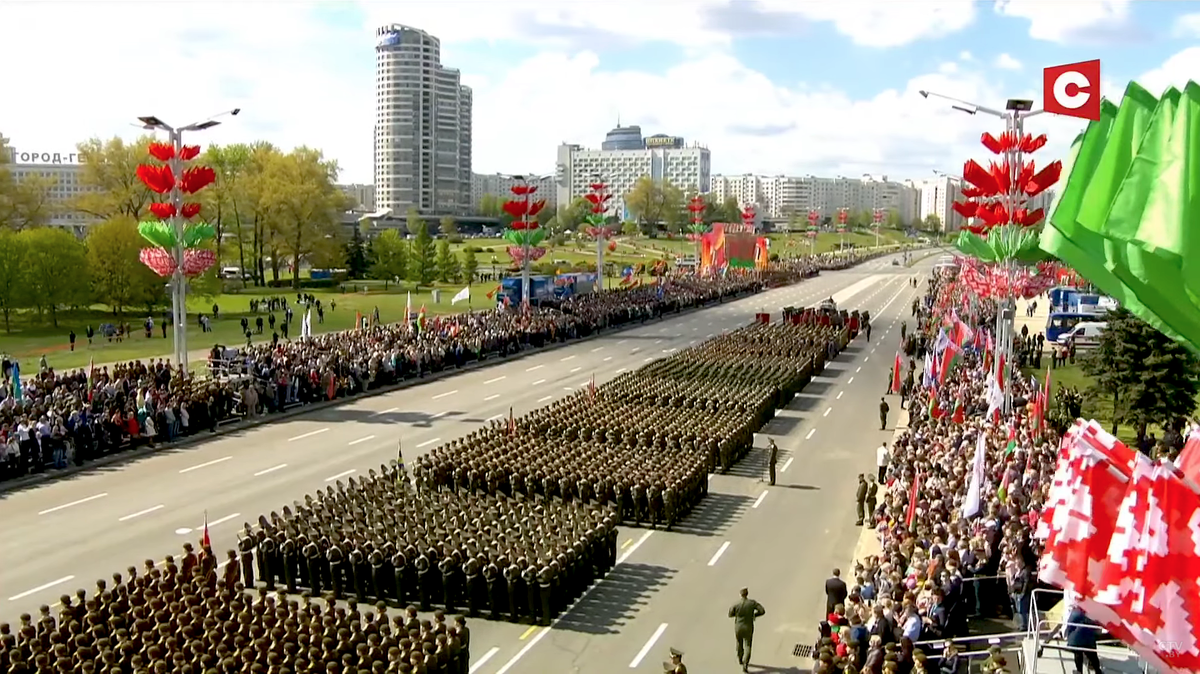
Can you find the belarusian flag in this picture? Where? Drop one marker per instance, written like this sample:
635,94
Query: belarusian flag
91,378
1000,372
896,374
959,416
421,319
949,361
935,410
1002,493
1012,441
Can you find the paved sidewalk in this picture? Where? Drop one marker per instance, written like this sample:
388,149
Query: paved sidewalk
868,541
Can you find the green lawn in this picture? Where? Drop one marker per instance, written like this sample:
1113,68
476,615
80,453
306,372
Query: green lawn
30,338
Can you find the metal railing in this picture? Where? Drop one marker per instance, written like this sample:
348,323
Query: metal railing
1051,628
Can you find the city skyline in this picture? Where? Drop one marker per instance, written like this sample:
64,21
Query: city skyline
805,88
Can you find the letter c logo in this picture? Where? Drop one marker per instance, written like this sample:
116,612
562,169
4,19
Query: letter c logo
1080,97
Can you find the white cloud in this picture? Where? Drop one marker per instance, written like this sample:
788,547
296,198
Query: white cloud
874,23
1187,26
295,86
1007,62
1057,21
965,56
1175,71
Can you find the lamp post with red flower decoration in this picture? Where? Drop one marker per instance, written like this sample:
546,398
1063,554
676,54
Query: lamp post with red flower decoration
842,216
878,214
1003,234
177,220
524,232
814,221
598,198
697,206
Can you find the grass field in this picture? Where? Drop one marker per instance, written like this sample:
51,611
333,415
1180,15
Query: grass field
30,339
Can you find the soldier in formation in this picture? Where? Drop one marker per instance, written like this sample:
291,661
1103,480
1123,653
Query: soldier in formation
193,615
485,554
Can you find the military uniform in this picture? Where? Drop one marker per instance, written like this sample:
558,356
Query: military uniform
744,613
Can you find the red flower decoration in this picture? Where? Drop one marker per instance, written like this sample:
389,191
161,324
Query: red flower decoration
597,199
996,145
157,178
190,210
598,187
697,205
612,245
196,261
162,211
516,209
524,225
196,179
189,152
536,207
522,190
162,151
1042,180
1032,143
158,260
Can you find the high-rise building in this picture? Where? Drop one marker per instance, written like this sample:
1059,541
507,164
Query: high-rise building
422,126
937,199
782,197
626,156
501,184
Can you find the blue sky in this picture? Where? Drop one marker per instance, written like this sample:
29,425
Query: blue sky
825,87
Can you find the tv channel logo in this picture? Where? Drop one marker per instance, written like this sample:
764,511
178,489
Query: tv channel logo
1072,90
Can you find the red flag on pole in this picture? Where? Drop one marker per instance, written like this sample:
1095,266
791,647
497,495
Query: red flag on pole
911,514
896,374
205,541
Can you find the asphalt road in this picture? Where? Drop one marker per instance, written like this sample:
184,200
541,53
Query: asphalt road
62,535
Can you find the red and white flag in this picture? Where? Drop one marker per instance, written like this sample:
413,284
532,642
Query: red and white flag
205,541
896,374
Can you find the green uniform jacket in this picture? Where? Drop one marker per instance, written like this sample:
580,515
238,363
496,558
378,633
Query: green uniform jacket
744,612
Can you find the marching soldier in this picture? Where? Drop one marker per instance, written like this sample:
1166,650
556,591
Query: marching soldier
744,613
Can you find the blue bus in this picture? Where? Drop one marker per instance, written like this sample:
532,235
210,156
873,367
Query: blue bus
1061,322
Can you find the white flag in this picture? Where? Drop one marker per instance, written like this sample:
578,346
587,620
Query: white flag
971,505
408,311
462,295
306,325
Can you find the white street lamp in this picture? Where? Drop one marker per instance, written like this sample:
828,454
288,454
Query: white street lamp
178,281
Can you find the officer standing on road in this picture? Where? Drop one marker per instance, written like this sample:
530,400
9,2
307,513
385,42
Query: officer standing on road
772,459
867,329
675,666
883,412
860,499
744,613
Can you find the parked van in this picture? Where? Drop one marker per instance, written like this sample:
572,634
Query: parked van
1085,334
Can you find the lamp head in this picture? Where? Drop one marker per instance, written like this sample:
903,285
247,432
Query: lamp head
924,94
152,122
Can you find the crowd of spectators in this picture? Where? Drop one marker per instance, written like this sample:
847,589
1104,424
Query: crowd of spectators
938,569
67,417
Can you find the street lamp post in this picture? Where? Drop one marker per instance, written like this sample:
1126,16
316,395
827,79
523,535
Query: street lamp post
178,280
843,215
1015,112
878,223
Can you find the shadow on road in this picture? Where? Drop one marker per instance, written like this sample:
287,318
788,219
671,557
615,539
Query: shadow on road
613,602
714,514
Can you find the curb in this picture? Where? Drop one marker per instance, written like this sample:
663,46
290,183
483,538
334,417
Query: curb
238,425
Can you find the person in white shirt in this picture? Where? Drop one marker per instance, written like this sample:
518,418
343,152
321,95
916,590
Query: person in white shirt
882,456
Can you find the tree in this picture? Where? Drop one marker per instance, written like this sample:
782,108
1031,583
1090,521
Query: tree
489,206
25,203
630,228
302,184
13,289
932,223
729,211
109,172
391,257
893,219
1150,377
119,279
223,198
356,254
571,216
55,270
470,264
446,262
422,267
675,213
448,227
650,201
